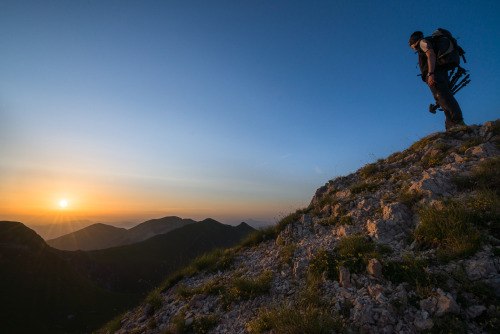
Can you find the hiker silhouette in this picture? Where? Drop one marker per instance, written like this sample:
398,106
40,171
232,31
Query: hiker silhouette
434,63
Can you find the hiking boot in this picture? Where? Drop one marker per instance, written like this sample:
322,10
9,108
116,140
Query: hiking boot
458,126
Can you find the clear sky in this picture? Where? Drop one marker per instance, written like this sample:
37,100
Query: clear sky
131,110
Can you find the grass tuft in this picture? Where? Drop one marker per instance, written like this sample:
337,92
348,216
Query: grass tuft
362,187
352,252
450,229
293,320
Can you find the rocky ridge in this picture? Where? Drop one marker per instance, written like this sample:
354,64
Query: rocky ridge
359,259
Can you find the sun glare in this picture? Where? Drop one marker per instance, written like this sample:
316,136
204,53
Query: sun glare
63,203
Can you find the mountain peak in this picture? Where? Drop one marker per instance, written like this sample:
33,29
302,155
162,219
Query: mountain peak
401,245
17,234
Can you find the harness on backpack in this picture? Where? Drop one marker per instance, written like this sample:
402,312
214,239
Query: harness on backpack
447,50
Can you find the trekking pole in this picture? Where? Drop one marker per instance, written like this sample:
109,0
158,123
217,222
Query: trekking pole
462,85
463,82
455,78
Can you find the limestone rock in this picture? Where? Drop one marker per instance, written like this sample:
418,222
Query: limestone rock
345,277
475,311
374,268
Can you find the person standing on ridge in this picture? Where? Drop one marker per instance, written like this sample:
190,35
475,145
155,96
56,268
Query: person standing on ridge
437,79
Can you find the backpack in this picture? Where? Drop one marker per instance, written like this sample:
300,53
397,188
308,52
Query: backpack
448,52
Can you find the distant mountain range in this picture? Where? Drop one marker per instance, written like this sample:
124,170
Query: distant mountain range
101,236
257,224
46,290
54,230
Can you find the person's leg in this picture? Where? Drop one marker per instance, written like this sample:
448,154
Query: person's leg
443,95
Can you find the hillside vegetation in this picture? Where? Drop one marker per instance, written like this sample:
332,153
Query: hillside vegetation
102,236
407,244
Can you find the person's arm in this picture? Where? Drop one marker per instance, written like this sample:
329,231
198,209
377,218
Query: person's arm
431,62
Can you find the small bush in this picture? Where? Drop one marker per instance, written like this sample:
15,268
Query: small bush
463,182
487,174
287,253
395,157
432,161
362,187
328,200
155,299
450,229
216,260
202,324
410,269
259,236
369,170
248,288
336,220
417,146
290,219
113,325
409,198
352,252
449,323
468,144
293,320
443,147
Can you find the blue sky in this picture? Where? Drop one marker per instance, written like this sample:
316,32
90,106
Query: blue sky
222,109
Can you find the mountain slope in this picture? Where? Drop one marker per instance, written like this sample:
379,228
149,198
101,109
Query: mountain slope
408,244
154,227
42,293
95,236
101,236
138,267
46,290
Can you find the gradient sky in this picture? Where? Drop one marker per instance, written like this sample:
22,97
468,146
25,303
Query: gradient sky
133,110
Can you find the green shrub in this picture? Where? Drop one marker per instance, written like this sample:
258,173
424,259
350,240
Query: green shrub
328,200
290,219
202,324
352,252
443,147
293,320
409,198
332,220
246,288
468,144
450,229
395,157
259,236
487,174
362,187
287,253
155,299
216,260
449,323
368,170
410,269
417,146
113,325
336,220
432,161
496,128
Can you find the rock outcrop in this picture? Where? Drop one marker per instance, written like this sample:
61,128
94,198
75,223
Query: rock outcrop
361,255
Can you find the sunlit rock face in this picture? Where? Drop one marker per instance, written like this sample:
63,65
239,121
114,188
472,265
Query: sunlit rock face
359,255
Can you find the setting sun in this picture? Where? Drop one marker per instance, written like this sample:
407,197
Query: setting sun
63,203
